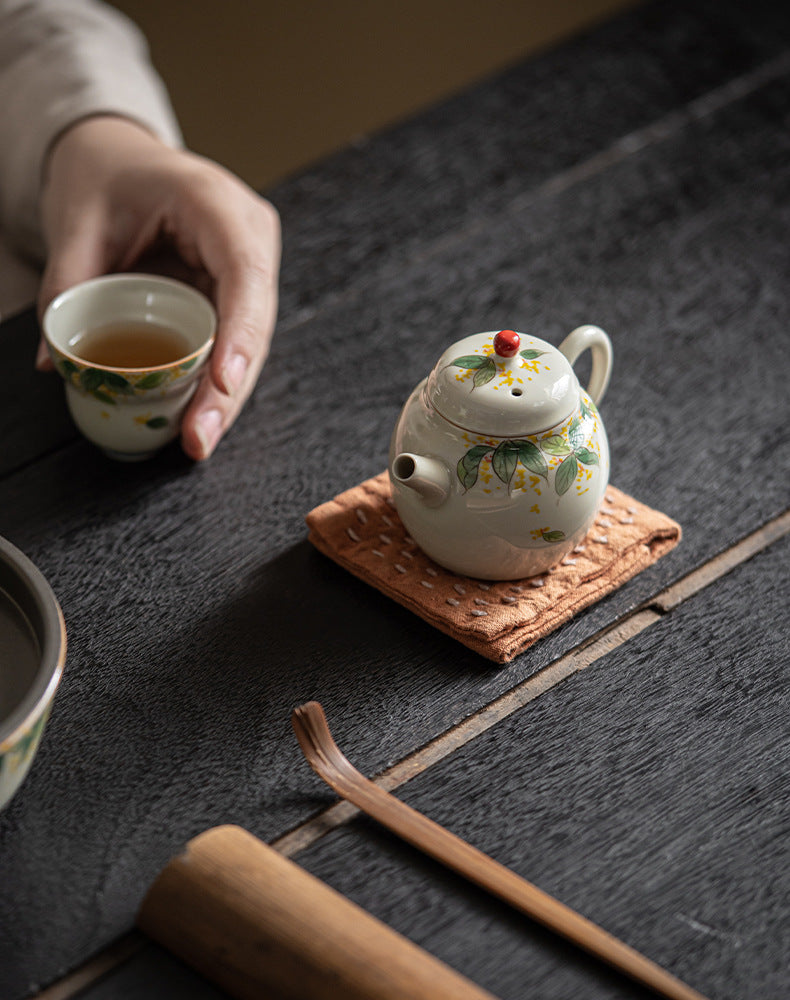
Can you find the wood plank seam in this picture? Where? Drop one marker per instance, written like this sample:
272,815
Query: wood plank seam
95,969
632,142
652,134
582,656
721,564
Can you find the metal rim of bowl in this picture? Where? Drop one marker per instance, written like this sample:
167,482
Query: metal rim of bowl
27,587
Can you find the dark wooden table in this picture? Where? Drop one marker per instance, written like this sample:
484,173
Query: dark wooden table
635,762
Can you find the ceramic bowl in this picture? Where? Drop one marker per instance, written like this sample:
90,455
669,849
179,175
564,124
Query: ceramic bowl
130,413
32,655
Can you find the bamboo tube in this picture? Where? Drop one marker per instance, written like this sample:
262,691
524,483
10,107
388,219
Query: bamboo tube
258,925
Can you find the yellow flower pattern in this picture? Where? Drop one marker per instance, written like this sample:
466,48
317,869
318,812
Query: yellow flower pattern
567,455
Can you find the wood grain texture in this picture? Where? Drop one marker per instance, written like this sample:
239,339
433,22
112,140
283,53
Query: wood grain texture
650,793
460,856
197,614
34,419
418,186
258,925
152,972
363,213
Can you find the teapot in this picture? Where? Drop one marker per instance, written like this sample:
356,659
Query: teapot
499,459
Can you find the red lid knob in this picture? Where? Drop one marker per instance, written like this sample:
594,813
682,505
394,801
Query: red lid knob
506,343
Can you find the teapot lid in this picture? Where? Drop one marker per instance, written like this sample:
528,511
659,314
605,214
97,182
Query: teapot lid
503,384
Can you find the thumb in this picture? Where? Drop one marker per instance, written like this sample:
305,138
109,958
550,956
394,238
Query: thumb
76,256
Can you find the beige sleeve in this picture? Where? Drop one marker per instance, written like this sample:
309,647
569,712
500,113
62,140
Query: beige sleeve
62,60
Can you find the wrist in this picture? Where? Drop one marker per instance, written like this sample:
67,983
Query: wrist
98,136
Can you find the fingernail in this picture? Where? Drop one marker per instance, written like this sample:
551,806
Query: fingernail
233,373
208,429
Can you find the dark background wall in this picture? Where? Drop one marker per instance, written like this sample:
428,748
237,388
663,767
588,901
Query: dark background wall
267,87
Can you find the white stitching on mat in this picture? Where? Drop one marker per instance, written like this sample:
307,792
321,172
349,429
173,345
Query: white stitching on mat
353,535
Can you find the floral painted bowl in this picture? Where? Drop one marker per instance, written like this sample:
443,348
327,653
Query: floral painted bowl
32,655
130,412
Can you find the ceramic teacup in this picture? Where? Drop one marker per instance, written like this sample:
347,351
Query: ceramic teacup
32,655
129,404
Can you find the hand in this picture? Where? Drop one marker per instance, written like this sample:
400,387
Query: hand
115,198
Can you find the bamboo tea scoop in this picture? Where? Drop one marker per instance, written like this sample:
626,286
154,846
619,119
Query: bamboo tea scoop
329,763
260,926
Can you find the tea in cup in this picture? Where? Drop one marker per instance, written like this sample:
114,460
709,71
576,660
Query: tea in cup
130,348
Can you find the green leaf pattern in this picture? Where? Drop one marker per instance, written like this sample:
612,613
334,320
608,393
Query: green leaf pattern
151,380
505,459
506,455
25,746
469,466
576,433
567,471
483,367
552,536
586,457
556,445
531,458
105,386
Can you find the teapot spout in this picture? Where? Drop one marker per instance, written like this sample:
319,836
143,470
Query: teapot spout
429,477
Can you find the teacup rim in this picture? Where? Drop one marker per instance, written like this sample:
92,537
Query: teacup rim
128,277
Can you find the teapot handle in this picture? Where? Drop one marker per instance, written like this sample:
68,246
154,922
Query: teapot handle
593,337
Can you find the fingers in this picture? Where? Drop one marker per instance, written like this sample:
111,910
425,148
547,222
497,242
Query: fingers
142,197
239,357
211,413
77,252
246,306
243,258
75,259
